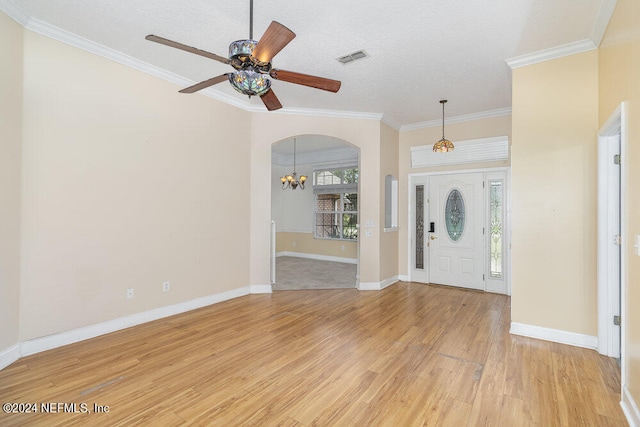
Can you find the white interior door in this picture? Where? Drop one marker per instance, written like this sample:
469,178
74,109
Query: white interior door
609,246
456,244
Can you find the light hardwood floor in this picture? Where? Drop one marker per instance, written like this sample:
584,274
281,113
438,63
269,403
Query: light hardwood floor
411,354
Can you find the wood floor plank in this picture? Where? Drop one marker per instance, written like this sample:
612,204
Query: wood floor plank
411,354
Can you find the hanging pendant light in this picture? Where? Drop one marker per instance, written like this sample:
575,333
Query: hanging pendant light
291,181
444,145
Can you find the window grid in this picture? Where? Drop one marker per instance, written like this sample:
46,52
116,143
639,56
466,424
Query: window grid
335,176
336,216
336,203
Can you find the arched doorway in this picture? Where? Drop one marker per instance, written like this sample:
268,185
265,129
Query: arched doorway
315,228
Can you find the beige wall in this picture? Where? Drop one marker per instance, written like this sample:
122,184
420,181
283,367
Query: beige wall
553,163
619,68
11,35
474,129
126,184
305,243
292,210
389,141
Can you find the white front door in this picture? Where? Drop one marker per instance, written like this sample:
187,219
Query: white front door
457,243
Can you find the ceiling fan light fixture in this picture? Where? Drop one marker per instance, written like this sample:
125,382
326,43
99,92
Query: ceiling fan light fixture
249,82
242,47
444,145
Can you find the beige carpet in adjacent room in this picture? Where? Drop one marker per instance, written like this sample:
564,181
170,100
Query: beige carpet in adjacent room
302,273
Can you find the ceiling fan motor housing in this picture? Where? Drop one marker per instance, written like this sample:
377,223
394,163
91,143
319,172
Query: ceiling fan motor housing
240,56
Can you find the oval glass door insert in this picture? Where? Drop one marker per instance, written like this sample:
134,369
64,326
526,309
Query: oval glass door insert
454,215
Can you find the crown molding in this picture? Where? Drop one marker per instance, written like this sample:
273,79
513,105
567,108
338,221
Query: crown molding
391,122
553,53
87,45
14,11
602,20
458,119
321,113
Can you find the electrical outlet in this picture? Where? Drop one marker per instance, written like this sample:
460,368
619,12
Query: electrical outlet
129,293
166,286
293,244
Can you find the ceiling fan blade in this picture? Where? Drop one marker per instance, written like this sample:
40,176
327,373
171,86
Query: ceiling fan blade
272,41
306,80
205,84
186,48
270,100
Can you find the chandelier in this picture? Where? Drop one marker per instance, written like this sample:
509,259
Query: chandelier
444,145
291,181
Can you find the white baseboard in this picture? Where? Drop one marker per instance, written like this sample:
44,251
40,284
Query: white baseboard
377,286
555,335
260,289
37,345
9,355
404,277
630,408
318,257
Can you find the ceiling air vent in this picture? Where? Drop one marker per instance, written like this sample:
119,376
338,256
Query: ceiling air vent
354,56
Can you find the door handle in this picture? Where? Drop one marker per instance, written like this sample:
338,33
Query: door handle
432,237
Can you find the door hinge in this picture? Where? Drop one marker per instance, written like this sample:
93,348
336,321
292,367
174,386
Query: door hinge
616,159
482,184
482,230
616,320
483,277
617,240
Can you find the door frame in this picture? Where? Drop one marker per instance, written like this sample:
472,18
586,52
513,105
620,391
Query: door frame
608,294
423,177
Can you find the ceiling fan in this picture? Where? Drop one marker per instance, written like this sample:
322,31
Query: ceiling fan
251,60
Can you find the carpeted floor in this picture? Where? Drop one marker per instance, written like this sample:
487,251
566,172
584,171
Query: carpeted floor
302,273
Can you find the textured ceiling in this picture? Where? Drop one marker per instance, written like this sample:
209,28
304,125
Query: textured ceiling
420,51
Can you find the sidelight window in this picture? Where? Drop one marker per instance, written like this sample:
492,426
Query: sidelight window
495,227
